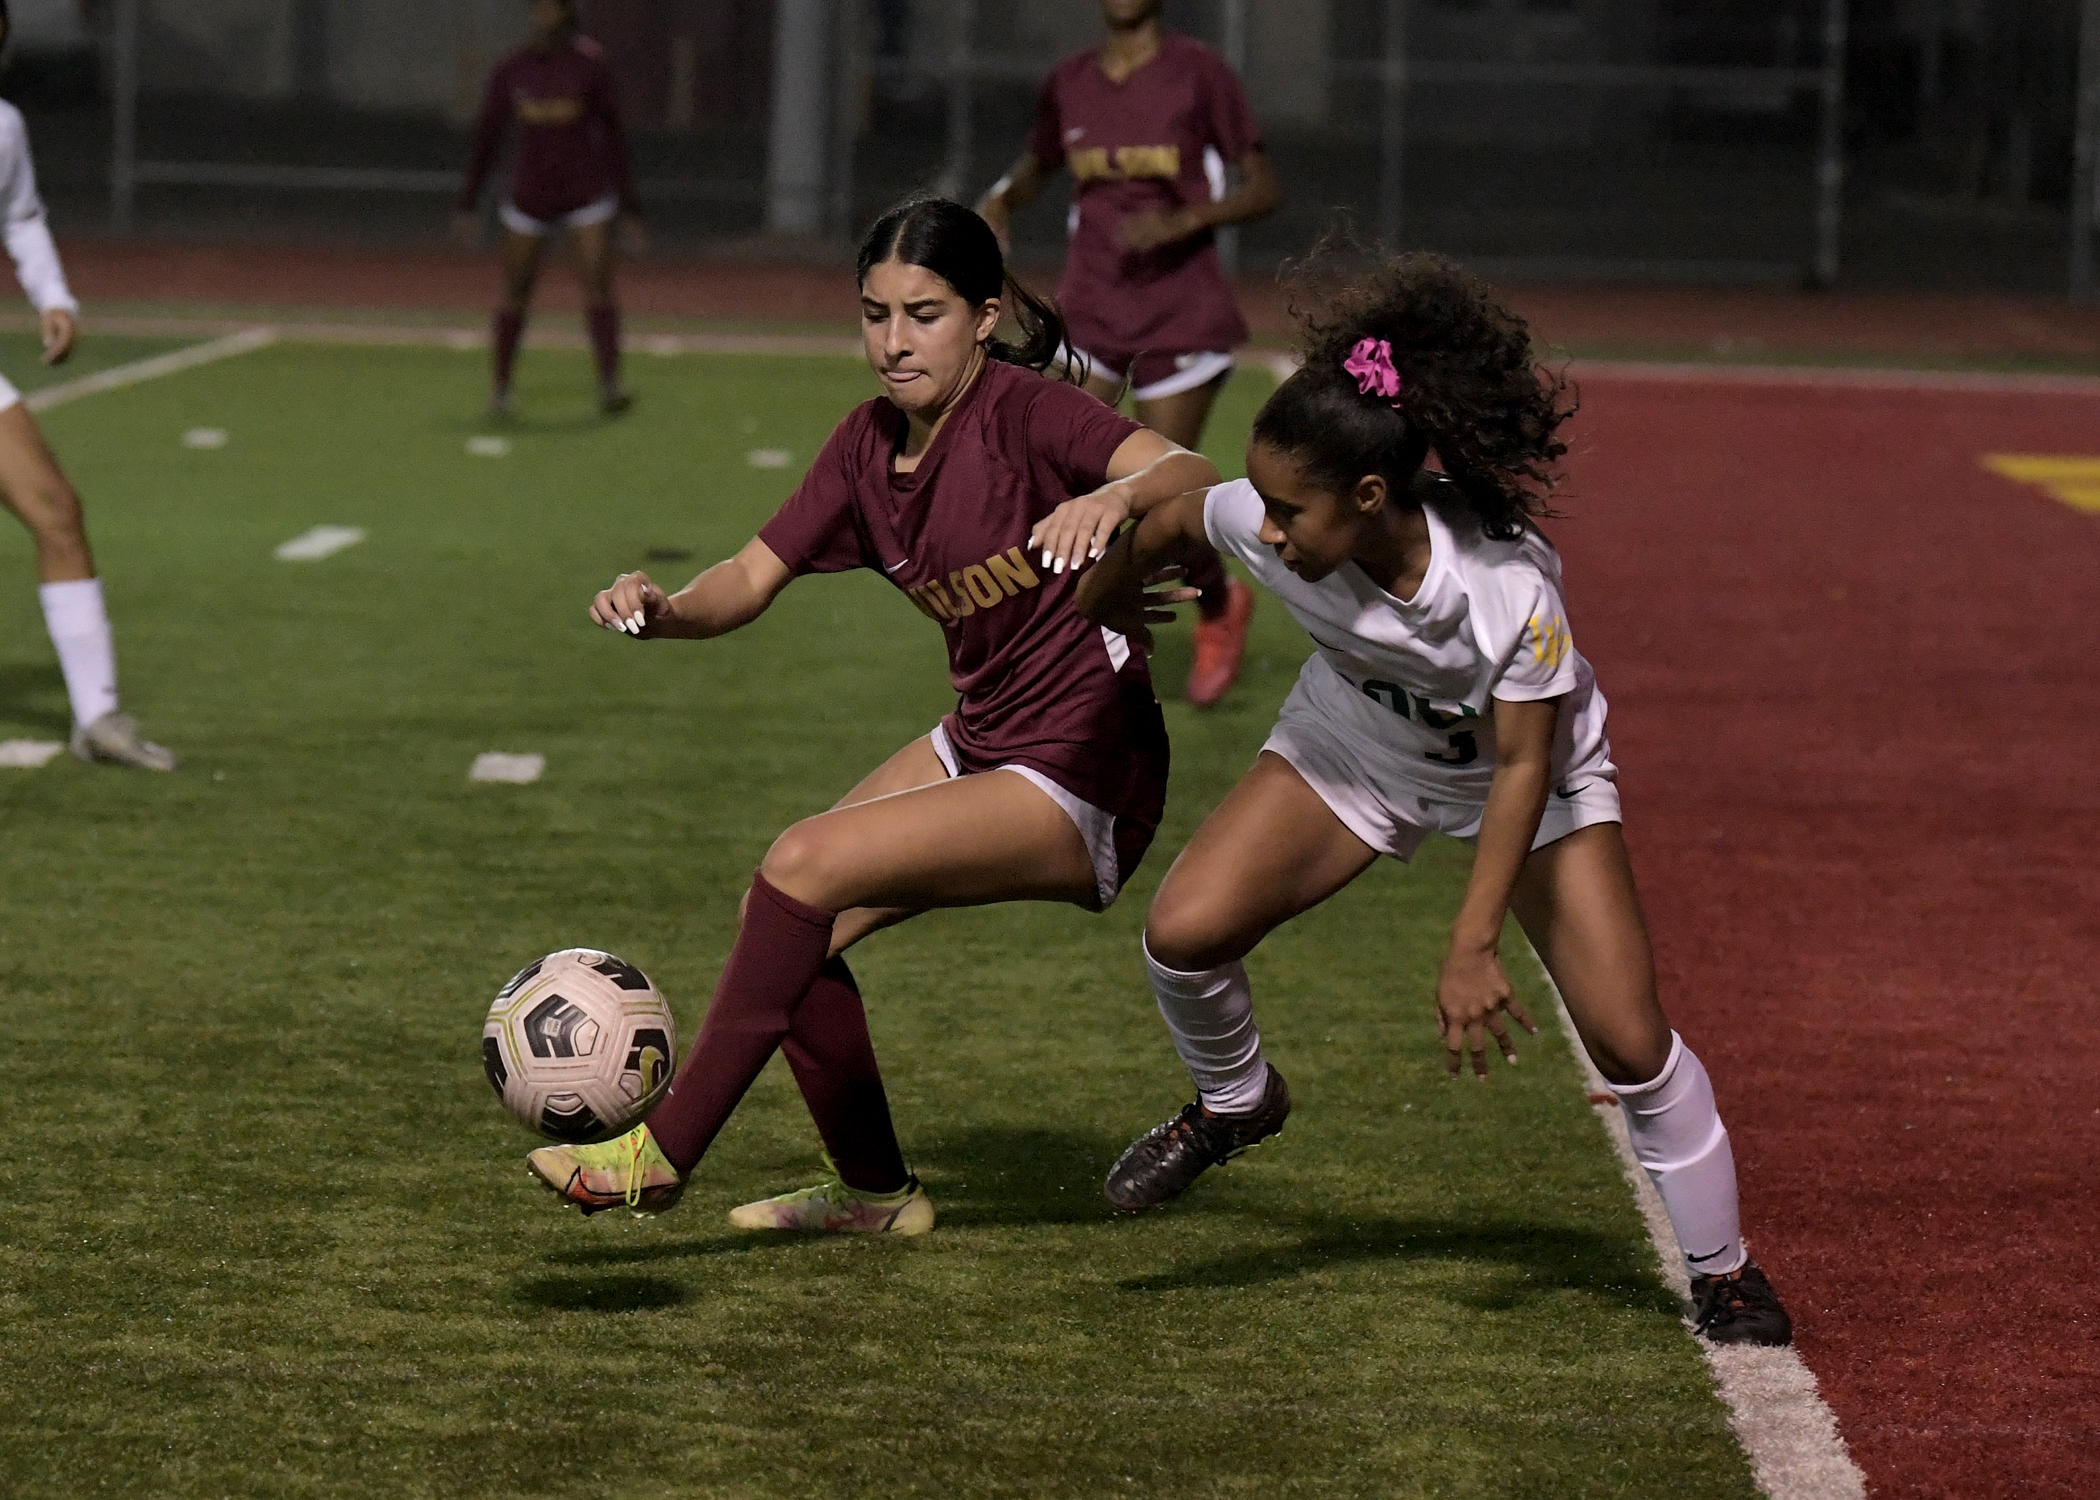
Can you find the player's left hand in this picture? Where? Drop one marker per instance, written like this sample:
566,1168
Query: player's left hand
1154,227
1472,992
1079,530
61,329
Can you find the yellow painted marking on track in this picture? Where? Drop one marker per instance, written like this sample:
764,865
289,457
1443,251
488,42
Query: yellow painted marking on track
2071,478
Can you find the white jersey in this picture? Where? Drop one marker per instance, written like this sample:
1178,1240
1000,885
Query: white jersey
28,235
1413,681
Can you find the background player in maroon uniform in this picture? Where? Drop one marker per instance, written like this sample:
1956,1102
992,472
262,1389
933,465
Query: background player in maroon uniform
1045,784
571,172
1148,123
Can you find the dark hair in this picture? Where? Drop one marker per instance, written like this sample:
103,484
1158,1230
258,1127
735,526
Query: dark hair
1469,390
959,247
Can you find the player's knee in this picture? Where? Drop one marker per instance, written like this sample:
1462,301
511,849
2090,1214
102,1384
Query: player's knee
1631,1056
804,863
1192,934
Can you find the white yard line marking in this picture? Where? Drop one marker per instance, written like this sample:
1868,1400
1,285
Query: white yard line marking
28,755
769,458
204,437
320,542
489,447
244,342
1789,1433
520,770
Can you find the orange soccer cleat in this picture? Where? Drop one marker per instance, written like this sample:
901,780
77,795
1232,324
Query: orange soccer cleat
1220,643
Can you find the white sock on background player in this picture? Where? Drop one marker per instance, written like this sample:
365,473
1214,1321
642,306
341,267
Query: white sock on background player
1210,1015
87,654
1678,1136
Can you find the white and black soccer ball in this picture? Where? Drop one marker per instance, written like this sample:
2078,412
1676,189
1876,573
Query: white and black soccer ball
579,1046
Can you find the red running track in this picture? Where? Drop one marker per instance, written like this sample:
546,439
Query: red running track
1855,689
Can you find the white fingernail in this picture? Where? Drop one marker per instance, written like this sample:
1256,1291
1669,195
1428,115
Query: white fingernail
1046,559
637,620
1093,553
1058,566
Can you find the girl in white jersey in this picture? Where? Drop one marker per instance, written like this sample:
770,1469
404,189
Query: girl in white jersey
34,488
1446,695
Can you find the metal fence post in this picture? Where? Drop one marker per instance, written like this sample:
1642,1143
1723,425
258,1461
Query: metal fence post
1830,148
962,98
796,138
1392,124
1232,36
2085,156
124,116
845,117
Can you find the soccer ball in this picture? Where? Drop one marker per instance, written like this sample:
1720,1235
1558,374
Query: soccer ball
579,1045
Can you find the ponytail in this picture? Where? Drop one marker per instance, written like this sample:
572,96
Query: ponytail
1412,358
959,247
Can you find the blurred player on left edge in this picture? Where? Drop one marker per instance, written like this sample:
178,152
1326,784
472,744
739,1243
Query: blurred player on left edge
36,490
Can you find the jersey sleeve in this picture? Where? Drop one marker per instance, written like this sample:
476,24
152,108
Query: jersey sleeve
27,232
1232,519
1231,123
1076,434
1534,651
817,530
1046,138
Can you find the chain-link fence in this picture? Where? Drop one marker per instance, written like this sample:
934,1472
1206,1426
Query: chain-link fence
1911,141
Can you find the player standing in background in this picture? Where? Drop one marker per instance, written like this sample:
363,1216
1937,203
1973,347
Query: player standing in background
37,491
1046,783
1148,123
571,172
1445,695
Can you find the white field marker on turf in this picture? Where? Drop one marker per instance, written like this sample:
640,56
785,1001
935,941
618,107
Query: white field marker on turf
204,437
322,541
246,341
489,447
769,458
28,755
519,770
1790,1435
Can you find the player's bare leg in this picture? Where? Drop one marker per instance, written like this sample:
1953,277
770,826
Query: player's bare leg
34,487
1577,902
1224,605
522,255
1271,850
597,253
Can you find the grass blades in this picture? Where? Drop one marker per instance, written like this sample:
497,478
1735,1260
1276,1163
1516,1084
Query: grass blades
268,1233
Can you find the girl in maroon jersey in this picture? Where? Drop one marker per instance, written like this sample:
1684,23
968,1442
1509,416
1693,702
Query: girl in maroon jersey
1148,122
1045,784
571,172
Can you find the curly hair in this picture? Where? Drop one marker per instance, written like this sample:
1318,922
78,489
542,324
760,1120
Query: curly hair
1469,389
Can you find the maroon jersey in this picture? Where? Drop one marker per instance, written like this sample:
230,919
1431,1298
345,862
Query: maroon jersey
1133,146
1040,685
571,151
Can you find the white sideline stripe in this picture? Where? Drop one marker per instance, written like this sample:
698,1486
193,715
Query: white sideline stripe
1852,377
28,755
243,342
1789,1433
320,542
520,770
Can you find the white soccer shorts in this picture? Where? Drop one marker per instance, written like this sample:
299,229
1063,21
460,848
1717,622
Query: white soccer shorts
1096,825
517,221
1190,371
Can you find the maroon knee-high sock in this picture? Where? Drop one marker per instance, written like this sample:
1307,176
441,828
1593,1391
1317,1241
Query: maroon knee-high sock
603,321
834,1061
1203,570
506,328
779,951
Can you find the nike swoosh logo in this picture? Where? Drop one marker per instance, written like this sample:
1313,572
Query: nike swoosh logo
1565,792
894,567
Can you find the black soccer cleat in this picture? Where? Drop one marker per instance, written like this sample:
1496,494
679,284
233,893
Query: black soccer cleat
1740,1308
1161,1163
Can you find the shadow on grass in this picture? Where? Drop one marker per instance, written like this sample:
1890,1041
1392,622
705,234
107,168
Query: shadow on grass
598,1293
1009,1175
635,1255
23,681
1535,1258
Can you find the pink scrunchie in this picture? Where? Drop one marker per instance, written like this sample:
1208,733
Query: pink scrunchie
1371,362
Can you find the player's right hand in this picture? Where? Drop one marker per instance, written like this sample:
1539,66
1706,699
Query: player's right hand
631,606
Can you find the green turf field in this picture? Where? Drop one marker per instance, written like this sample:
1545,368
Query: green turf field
267,1232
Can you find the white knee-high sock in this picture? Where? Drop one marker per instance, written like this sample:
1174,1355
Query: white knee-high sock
1210,1015
1678,1136
87,654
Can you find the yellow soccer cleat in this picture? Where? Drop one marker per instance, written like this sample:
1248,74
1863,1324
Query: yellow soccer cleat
831,1207
628,1172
